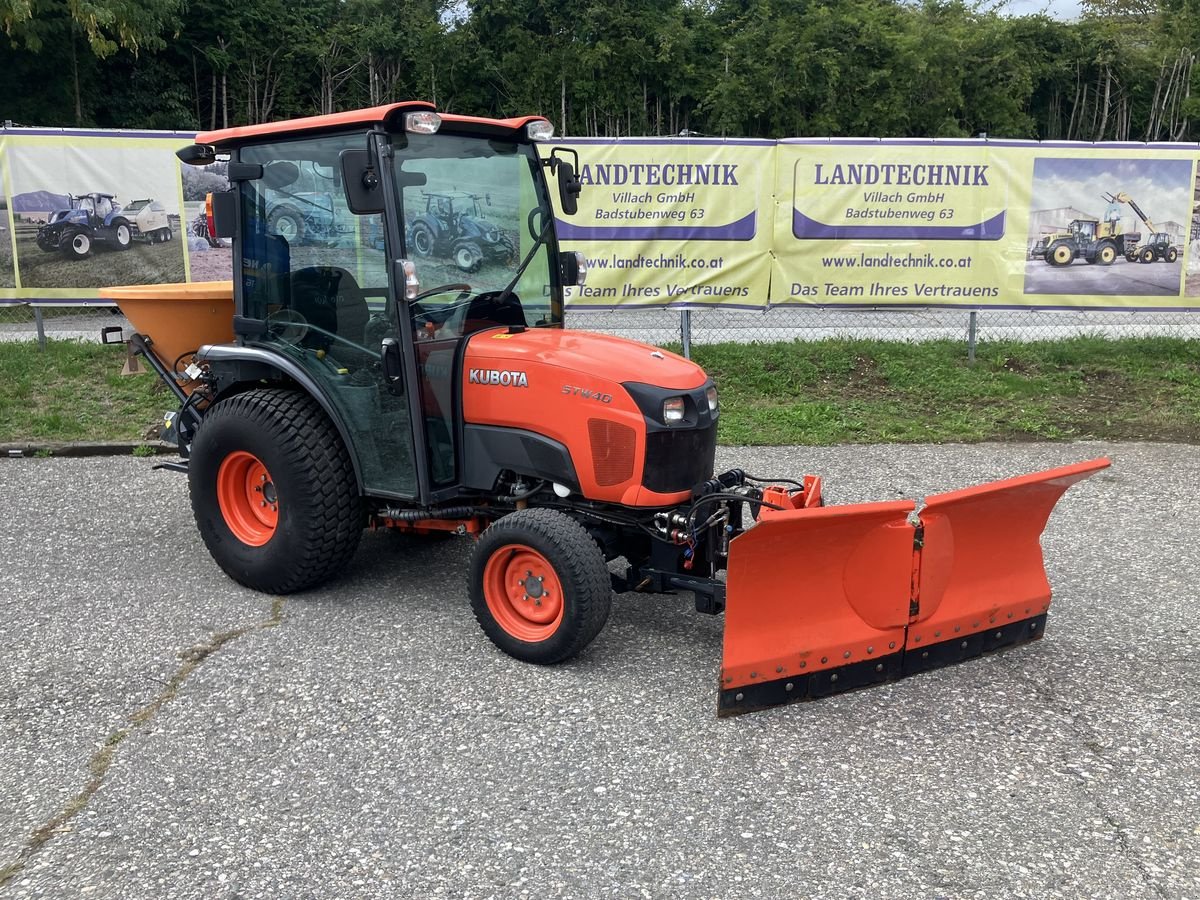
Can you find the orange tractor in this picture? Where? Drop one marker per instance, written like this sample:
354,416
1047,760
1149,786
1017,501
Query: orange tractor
344,383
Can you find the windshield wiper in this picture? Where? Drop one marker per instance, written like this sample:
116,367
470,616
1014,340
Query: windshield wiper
541,239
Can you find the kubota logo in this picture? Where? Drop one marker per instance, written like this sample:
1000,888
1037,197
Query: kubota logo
501,377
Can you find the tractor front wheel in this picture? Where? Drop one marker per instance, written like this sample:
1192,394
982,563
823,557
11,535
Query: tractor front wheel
1106,255
273,491
468,257
539,586
1060,255
288,224
77,245
1147,255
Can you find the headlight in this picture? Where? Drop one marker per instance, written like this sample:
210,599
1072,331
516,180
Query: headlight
711,393
673,410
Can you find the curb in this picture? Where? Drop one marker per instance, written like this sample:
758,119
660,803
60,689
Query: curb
19,450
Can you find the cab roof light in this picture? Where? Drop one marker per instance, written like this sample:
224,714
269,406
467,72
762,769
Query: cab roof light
422,122
539,130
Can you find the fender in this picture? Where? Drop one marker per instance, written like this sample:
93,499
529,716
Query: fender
230,356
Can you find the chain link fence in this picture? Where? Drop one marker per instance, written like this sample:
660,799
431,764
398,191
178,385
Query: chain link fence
710,326
27,322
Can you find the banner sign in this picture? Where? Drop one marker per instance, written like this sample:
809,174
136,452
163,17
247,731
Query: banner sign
694,222
673,222
888,223
83,210
973,224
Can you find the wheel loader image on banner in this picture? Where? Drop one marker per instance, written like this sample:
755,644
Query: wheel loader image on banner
97,218
1159,248
331,388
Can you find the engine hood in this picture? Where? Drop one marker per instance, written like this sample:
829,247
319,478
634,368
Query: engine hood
613,358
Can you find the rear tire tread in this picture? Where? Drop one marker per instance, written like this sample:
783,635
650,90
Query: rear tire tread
311,446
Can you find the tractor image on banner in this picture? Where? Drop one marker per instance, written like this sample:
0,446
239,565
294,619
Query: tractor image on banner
346,380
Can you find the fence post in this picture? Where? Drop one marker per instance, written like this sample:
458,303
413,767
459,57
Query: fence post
41,327
685,332
971,330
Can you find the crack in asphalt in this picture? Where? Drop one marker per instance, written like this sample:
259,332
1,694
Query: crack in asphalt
102,760
1089,740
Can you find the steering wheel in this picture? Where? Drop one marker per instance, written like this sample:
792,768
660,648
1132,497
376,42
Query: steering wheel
441,289
439,317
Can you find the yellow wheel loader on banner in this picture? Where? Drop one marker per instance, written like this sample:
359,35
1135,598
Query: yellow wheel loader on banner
350,382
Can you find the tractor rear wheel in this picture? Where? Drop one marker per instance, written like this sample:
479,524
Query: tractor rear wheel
123,236
273,491
1172,255
540,588
1106,255
420,239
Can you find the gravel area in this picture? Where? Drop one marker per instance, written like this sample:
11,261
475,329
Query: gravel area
365,740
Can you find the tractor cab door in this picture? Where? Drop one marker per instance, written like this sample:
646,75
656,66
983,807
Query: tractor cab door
498,276
325,298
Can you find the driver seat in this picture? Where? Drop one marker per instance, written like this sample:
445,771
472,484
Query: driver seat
330,298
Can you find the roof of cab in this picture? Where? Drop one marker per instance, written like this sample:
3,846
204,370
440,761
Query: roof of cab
243,134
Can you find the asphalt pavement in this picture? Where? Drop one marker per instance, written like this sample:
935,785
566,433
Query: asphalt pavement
165,733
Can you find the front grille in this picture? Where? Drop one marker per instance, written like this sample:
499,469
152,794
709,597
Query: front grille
678,460
612,451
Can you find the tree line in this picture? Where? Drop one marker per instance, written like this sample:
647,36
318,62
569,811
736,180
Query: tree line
739,68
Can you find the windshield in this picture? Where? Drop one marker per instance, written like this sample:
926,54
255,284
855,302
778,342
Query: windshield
473,212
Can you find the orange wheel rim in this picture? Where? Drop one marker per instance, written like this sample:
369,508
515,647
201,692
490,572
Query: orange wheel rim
523,593
248,499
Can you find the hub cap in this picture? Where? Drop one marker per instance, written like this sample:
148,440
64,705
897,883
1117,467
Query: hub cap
248,499
523,593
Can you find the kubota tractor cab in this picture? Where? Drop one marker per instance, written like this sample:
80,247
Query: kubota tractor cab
357,382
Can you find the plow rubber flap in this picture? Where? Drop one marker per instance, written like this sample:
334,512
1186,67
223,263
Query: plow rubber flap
982,582
817,601
830,599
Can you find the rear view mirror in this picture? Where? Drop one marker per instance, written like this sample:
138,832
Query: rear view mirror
569,188
363,193
569,185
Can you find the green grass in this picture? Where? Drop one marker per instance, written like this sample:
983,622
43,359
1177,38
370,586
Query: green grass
74,392
848,391
827,392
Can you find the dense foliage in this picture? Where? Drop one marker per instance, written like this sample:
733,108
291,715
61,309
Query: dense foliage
764,68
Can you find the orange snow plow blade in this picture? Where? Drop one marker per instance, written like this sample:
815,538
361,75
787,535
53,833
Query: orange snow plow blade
827,599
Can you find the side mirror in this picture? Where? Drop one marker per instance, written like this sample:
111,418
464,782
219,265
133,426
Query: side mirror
569,185
363,193
569,188
222,210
